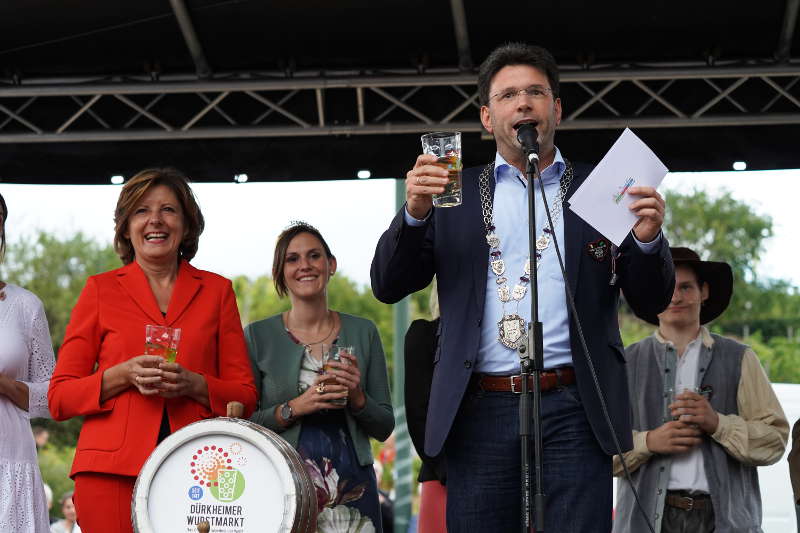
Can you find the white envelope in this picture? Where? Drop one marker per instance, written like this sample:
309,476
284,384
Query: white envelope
602,199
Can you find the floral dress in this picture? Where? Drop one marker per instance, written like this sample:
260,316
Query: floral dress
26,355
347,493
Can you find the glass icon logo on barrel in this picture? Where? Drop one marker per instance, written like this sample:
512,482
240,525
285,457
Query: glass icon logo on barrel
213,468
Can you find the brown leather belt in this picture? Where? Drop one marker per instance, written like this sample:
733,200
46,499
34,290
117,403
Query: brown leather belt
688,503
548,380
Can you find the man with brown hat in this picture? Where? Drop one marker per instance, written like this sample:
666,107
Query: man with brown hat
704,415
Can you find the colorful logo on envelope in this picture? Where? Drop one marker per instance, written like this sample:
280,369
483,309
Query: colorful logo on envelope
622,190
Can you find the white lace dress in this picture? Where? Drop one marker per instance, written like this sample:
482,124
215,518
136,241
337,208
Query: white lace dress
26,354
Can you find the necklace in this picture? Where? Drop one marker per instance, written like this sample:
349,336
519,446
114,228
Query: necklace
511,327
307,344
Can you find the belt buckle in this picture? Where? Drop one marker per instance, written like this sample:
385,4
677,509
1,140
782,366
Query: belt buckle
513,389
689,502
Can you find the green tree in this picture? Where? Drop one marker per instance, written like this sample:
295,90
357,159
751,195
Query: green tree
56,270
55,463
721,228
778,356
257,298
718,228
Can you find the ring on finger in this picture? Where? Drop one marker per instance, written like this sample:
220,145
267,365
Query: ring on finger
419,180
321,388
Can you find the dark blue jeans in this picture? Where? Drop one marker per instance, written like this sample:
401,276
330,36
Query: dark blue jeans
483,466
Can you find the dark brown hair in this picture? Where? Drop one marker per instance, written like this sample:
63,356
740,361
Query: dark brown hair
3,217
131,195
279,259
516,54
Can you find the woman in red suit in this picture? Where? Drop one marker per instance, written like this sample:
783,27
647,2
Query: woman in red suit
130,401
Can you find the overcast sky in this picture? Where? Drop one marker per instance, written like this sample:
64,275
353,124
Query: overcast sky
243,220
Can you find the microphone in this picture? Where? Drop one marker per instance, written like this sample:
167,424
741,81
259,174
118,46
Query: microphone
526,135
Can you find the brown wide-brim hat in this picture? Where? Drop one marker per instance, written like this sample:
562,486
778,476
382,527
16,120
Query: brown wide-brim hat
717,274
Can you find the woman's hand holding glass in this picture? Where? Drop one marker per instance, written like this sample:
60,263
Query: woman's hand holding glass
142,372
319,396
153,375
178,381
347,374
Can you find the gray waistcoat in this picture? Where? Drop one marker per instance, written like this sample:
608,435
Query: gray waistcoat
733,485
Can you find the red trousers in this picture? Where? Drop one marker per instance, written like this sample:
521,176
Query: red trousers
432,504
103,502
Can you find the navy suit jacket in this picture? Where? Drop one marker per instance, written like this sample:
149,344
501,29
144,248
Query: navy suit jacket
452,245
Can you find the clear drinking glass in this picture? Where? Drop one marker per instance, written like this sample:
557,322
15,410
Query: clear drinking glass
446,146
162,341
334,353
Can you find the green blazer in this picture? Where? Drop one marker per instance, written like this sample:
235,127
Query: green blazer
276,363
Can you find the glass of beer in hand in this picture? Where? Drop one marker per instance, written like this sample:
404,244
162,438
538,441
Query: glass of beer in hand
334,353
446,146
162,341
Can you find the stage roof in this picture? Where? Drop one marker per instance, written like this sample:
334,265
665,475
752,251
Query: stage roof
319,89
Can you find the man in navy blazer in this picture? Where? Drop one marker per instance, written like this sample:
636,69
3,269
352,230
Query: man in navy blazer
478,253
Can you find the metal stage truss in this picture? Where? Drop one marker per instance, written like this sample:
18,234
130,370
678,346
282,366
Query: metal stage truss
252,105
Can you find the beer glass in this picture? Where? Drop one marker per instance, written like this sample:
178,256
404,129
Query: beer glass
162,341
446,146
334,353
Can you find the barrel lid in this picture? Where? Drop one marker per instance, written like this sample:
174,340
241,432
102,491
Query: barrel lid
232,473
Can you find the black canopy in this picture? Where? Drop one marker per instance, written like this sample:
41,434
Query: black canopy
320,89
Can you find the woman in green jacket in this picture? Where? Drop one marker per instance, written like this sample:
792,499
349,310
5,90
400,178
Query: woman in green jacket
328,417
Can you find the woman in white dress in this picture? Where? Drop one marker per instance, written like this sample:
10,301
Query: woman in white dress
68,523
26,363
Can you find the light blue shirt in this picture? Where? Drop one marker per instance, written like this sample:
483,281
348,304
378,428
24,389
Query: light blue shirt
510,213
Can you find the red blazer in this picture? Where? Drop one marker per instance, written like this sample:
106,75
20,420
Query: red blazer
107,327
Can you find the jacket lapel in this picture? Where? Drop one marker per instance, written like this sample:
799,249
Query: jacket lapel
573,237
135,285
477,235
186,287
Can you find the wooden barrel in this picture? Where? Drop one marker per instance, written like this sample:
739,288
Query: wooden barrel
234,474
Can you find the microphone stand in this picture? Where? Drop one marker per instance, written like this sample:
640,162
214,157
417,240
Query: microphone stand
531,353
